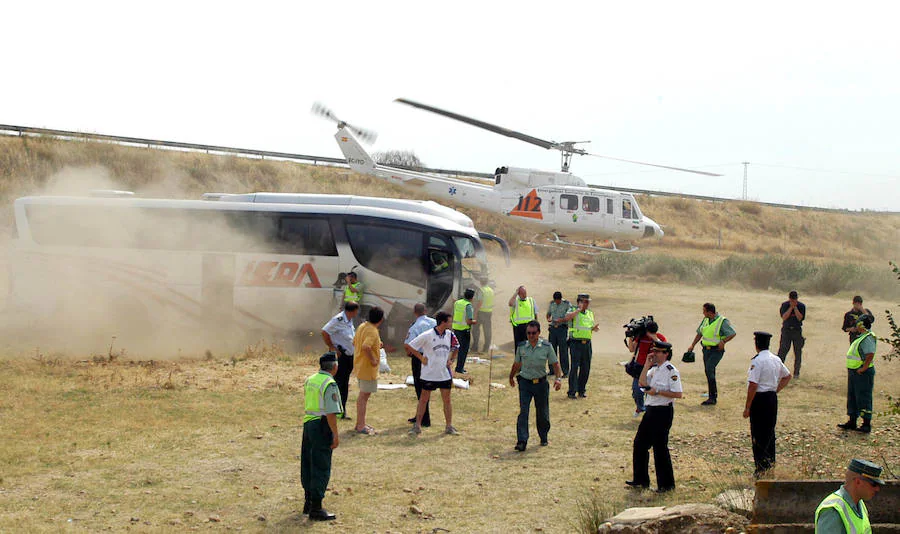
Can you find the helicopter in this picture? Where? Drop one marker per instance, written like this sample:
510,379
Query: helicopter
560,204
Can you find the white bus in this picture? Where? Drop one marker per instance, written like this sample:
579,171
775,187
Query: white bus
231,269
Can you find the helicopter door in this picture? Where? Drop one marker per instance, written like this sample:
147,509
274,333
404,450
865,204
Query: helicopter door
591,207
625,218
568,209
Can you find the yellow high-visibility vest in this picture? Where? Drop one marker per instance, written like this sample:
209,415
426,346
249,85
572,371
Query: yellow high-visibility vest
583,324
314,392
854,358
487,299
852,523
350,296
522,312
459,315
710,331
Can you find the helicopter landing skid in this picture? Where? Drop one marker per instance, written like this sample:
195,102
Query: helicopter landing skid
581,248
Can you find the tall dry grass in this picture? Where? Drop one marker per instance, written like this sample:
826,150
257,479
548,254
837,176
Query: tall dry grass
780,272
27,164
748,227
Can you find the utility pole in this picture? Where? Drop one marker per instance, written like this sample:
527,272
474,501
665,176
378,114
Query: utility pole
745,164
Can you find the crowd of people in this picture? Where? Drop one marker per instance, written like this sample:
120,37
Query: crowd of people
438,347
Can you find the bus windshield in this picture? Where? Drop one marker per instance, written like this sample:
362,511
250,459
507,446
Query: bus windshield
472,258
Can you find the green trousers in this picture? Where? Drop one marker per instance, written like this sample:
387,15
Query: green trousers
315,458
859,393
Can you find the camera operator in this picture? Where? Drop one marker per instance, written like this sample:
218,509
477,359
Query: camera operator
639,345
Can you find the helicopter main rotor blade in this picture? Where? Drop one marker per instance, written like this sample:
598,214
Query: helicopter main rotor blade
481,124
680,169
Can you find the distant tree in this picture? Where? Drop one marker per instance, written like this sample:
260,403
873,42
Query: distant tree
406,158
894,341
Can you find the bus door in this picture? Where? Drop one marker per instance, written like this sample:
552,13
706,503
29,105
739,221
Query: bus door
441,268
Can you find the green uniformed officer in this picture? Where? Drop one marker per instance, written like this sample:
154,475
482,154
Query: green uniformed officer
354,290
320,436
532,357
463,320
844,510
522,310
484,310
861,376
580,350
713,333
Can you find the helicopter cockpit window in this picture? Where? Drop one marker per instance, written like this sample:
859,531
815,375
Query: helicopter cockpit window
568,202
627,212
590,204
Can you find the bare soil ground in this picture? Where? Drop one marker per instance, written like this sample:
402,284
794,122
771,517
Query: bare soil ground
92,443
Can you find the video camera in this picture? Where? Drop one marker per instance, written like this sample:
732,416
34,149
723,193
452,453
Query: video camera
637,327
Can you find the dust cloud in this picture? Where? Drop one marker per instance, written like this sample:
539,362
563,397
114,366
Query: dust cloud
156,283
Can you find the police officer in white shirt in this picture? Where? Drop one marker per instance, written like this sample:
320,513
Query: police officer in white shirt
662,384
338,336
767,376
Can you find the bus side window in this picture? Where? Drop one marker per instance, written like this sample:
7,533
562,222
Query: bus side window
626,210
307,236
388,250
568,202
591,204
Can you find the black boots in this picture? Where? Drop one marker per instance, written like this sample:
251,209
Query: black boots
317,513
849,425
866,426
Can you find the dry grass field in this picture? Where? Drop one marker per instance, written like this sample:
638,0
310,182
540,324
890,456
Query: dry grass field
154,442
94,443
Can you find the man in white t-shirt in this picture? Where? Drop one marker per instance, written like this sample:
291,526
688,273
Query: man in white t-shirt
436,348
766,377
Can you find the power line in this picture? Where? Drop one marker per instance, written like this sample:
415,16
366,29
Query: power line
809,169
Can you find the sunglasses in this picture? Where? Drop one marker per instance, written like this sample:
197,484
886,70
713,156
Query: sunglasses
871,482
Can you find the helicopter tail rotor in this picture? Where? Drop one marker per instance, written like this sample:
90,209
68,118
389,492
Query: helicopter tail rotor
364,135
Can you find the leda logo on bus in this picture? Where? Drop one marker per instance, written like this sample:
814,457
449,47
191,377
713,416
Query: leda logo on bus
279,274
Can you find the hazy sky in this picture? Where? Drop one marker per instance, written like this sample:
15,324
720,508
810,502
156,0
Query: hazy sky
807,92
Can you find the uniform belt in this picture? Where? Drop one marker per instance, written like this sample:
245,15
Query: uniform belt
792,327
559,326
533,380
663,406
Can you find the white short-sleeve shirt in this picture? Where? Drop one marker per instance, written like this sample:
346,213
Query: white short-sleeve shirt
341,330
437,349
766,370
663,378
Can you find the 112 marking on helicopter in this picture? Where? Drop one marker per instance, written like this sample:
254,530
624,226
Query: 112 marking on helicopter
556,202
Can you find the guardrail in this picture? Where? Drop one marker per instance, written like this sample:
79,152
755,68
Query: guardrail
64,134
27,130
